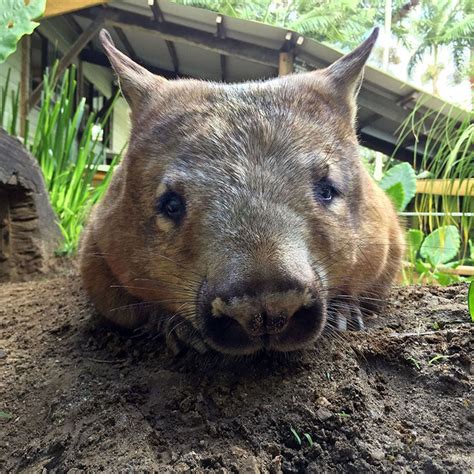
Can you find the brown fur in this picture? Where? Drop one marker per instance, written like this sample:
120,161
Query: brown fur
255,244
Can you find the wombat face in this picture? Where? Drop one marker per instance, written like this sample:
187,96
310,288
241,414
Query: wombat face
239,203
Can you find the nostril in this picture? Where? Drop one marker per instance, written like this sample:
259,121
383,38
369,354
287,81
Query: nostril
257,324
263,323
276,323
279,322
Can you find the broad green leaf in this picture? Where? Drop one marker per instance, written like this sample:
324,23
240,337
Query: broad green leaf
16,20
414,238
445,279
405,175
396,195
422,267
470,300
442,245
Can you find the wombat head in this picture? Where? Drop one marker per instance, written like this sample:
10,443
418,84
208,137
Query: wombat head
236,205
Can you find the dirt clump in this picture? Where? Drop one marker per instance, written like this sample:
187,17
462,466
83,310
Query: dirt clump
77,394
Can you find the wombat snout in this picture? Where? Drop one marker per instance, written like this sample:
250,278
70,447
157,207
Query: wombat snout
274,313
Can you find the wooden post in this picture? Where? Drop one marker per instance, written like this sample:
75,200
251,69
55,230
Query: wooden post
287,55
80,81
25,83
285,63
70,55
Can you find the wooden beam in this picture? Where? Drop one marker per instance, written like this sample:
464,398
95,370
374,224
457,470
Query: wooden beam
220,33
159,18
387,148
100,59
70,55
25,83
60,7
368,121
185,35
126,43
73,24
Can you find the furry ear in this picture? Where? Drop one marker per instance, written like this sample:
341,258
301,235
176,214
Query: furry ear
136,82
347,72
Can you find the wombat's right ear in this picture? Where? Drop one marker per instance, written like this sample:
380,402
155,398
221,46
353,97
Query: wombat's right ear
135,81
347,72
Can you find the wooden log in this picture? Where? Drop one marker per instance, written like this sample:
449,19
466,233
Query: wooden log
29,234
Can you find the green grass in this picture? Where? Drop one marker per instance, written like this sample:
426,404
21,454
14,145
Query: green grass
68,149
444,140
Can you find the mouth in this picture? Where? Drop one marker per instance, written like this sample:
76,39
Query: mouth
226,335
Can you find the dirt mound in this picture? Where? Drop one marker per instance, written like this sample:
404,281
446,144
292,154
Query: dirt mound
77,394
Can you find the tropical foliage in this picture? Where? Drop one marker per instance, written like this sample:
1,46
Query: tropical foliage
425,27
17,19
341,22
442,23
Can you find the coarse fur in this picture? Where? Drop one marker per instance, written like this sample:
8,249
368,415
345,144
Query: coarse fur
283,232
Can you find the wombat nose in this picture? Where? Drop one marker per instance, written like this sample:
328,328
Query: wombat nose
264,323
262,307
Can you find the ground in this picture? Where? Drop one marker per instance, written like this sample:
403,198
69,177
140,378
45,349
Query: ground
77,395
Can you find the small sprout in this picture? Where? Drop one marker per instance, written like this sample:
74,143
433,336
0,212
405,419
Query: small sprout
436,326
437,358
296,435
328,376
414,362
343,414
308,437
5,415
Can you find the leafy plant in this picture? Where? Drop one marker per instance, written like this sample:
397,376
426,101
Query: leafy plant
69,152
441,246
399,182
16,20
432,258
443,149
9,123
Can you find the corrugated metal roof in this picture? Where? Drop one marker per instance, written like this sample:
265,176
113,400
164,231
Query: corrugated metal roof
251,52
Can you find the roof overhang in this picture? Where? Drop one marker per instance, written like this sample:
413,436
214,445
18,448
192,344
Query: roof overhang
180,41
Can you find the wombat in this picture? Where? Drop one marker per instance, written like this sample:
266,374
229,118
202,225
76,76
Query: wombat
242,218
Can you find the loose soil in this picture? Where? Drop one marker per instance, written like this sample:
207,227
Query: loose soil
77,395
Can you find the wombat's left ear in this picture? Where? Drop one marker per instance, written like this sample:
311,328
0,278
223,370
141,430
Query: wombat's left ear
347,72
136,82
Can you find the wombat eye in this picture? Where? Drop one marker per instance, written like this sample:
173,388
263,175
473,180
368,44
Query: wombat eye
324,191
171,205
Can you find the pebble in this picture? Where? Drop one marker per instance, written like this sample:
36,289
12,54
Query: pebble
324,414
